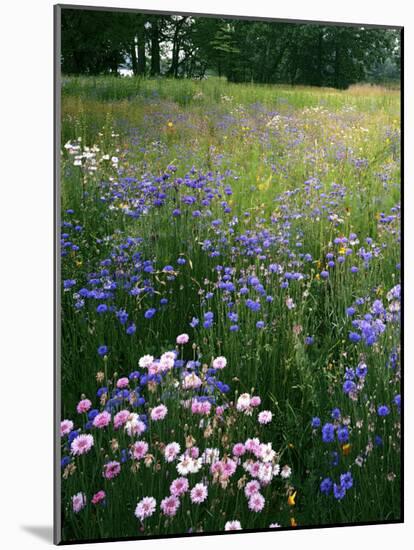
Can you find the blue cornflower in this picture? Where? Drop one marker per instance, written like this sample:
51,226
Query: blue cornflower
251,304
73,434
316,422
194,322
234,328
131,329
309,340
122,315
397,401
326,486
69,283
354,337
349,386
181,261
324,274
349,373
328,433
149,314
346,480
361,370
336,413
383,410
260,324
339,491
65,461
354,269
92,413
102,350
102,308
343,434
378,441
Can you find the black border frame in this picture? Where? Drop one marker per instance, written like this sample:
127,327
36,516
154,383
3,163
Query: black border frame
57,513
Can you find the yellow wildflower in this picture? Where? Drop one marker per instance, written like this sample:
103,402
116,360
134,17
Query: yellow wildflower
291,499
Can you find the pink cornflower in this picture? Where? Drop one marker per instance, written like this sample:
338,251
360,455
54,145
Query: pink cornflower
167,361
251,488
243,402
111,469
82,444
265,417
170,505
145,508
200,407
219,363
121,418
219,411
66,426
140,449
101,420
84,406
239,449
171,451
122,382
194,452
228,468
145,361
198,493
252,445
256,502
159,413
78,502
135,426
192,381
182,339
254,469
233,525
98,497
179,486
255,401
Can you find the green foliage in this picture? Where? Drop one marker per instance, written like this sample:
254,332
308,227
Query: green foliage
100,42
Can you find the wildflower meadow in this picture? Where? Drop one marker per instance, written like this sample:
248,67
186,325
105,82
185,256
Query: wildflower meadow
230,306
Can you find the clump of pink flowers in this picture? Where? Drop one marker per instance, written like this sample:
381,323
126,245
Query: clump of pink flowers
145,508
124,444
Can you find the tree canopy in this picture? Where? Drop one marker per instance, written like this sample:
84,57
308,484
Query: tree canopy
103,42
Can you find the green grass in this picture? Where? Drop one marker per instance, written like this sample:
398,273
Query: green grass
264,142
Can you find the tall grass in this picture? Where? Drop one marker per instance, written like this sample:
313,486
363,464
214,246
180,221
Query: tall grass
284,181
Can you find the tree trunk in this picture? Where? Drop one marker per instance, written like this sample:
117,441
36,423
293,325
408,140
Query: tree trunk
320,57
141,50
173,70
155,49
134,60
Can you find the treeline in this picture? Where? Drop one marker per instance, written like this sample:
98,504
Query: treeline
104,42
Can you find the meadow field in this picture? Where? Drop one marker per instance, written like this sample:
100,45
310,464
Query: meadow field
230,270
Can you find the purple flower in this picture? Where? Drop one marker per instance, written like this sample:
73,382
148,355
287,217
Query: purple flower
326,486
316,422
343,434
328,433
346,480
149,314
383,410
339,491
